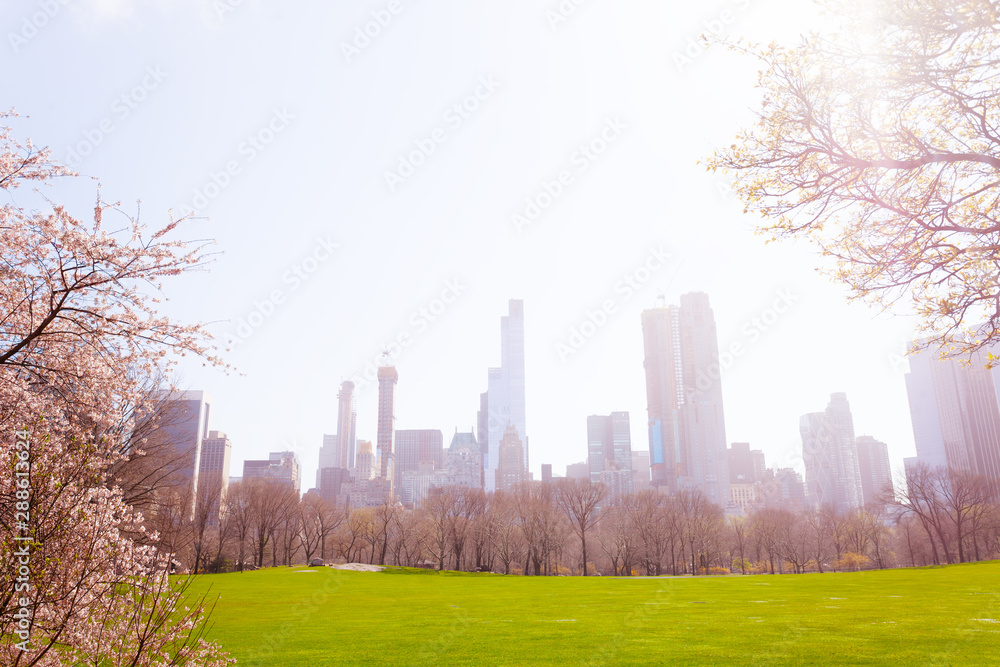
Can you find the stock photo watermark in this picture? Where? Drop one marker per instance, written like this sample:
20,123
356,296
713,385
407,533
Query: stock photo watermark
455,116
293,278
624,289
715,27
752,331
370,30
419,321
579,162
247,151
33,24
22,538
562,12
121,109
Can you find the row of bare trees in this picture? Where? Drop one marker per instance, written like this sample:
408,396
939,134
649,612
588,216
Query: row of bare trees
572,527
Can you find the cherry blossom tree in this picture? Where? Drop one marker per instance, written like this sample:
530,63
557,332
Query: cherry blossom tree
80,582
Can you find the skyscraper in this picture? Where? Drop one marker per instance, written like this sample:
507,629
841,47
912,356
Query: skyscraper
505,400
328,457
216,452
387,377
830,452
640,470
955,412
346,420
465,461
331,481
179,423
746,465
510,472
365,469
609,446
873,464
279,467
687,433
483,430
411,448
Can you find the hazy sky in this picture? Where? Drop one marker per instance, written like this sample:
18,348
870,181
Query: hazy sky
359,162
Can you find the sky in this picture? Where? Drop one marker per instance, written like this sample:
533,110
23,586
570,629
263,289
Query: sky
392,170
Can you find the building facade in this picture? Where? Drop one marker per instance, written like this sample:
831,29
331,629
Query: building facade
609,448
346,426
955,411
177,426
415,485
331,483
873,465
279,467
687,434
510,472
413,448
830,453
746,465
387,377
465,461
216,456
366,466
640,470
505,400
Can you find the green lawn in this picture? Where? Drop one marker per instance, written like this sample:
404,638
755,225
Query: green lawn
944,616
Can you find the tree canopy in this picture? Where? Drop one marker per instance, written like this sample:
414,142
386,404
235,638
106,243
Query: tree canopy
880,142
79,337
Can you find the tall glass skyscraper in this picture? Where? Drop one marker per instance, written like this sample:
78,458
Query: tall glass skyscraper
505,402
609,445
346,422
687,432
387,377
180,421
830,453
955,410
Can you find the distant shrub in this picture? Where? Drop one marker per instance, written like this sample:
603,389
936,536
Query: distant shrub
742,565
852,562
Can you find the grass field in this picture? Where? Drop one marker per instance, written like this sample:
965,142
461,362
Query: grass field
942,615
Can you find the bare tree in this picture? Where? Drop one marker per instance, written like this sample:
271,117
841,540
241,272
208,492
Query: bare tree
654,520
508,537
150,461
618,536
540,525
739,529
206,514
240,516
438,510
406,545
269,501
349,538
580,501
383,520
319,518
917,494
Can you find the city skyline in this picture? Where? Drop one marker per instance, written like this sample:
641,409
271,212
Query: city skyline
640,216
597,315
695,323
